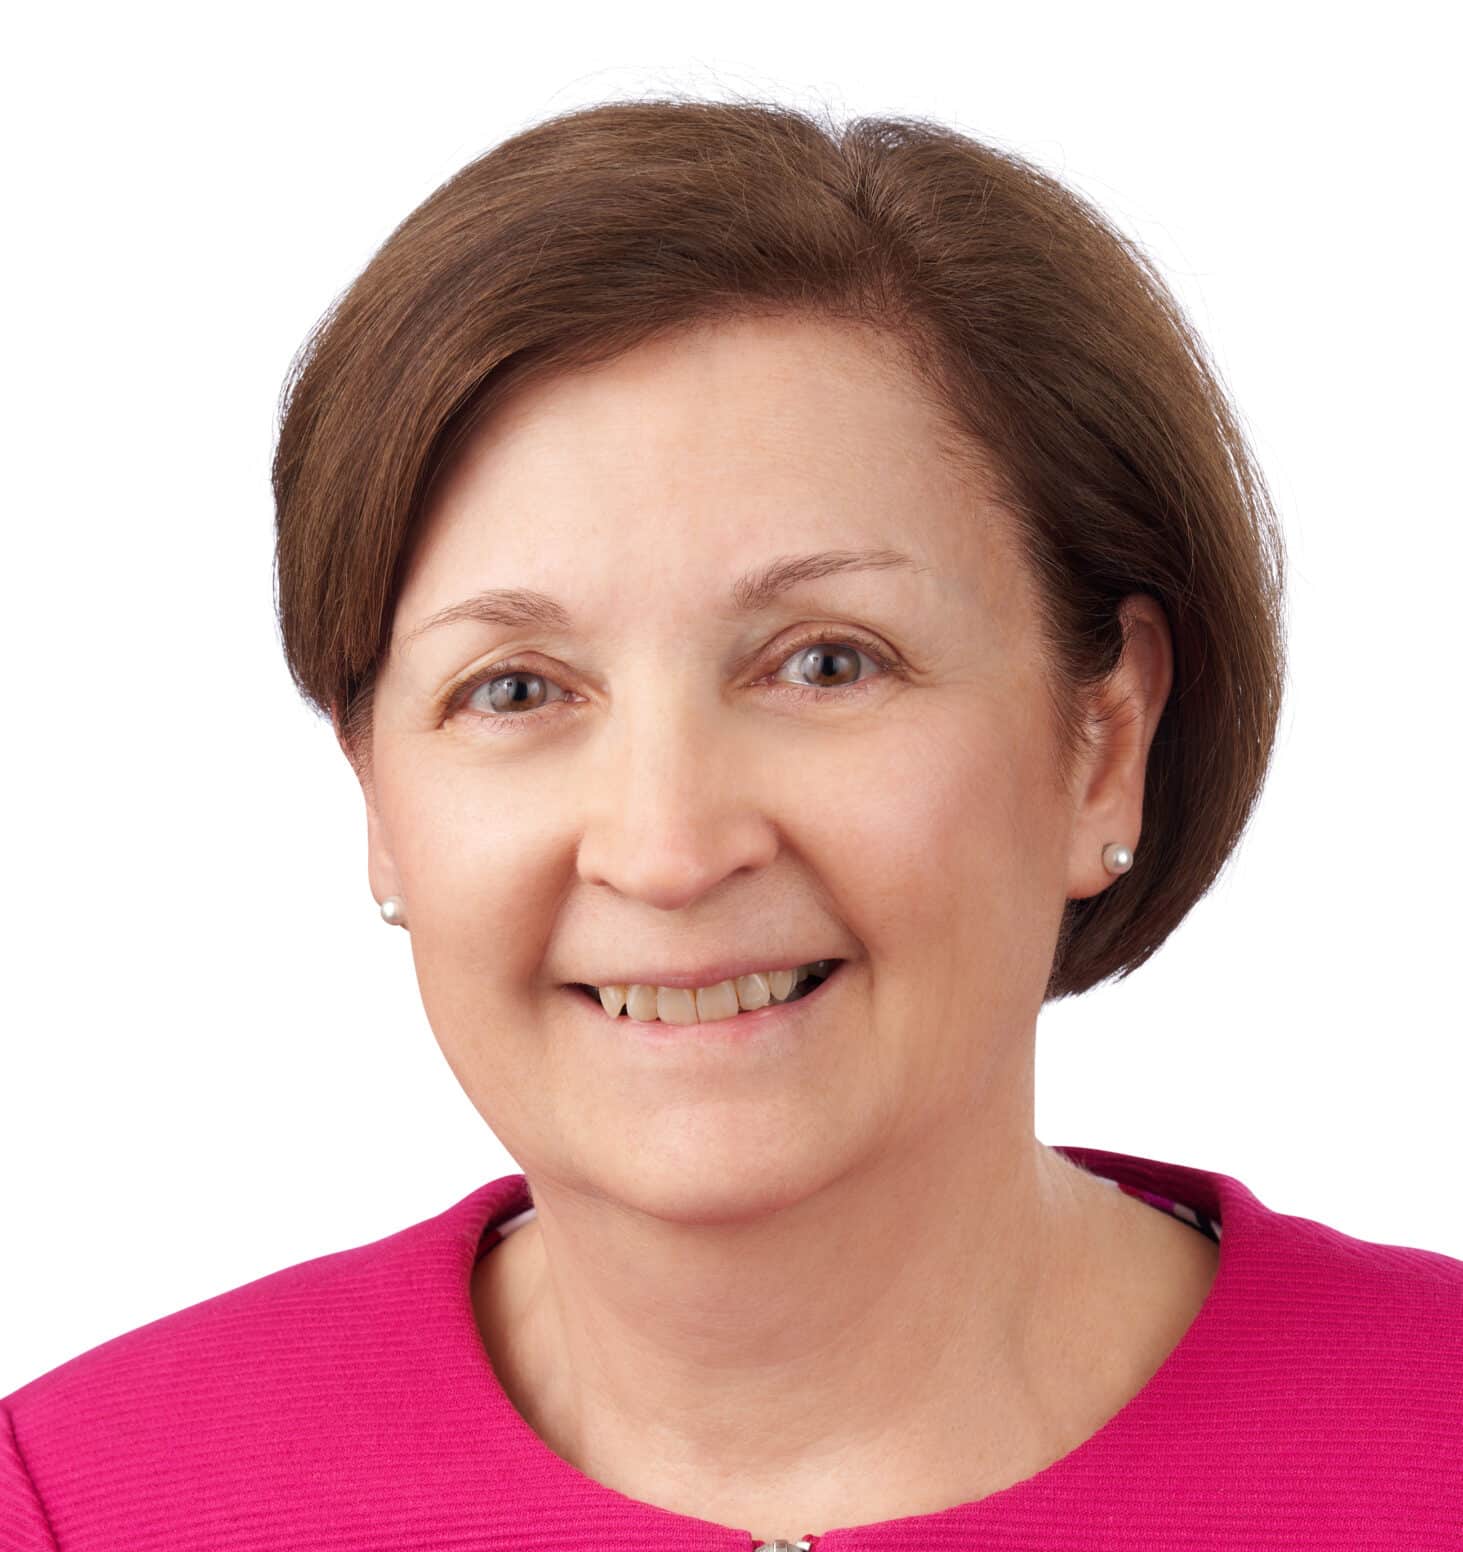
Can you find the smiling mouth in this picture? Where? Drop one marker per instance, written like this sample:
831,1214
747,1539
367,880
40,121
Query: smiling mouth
809,984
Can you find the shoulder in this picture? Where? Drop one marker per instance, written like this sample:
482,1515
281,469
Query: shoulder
1340,1384
23,1519
289,1377
215,1336
1317,1394
135,1405
1334,1375
1316,1353
1386,1301
1286,1266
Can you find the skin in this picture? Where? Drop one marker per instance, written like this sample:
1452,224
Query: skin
818,1278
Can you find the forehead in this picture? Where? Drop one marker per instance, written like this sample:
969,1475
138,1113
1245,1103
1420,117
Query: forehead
686,460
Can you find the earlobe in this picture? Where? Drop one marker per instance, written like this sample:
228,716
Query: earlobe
380,865
1109,816
1117,858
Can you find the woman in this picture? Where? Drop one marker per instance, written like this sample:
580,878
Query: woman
796,600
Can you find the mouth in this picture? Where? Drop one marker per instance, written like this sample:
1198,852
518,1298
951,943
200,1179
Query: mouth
812,986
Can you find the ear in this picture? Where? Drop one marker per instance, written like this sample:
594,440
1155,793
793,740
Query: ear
380,865
1109,793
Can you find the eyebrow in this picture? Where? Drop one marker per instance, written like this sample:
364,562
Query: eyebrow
750,594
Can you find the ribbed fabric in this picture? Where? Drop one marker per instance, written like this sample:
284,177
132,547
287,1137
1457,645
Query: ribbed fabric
348,1403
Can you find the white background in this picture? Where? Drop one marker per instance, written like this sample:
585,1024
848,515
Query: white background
214,1060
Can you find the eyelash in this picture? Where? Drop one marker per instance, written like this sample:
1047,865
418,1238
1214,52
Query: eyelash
458,694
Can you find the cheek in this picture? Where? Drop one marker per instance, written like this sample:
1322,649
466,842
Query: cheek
470,854
484,904
953,845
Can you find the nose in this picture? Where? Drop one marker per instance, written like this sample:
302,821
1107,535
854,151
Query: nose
678,800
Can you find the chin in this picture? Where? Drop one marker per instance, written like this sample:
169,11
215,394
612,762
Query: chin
710,1171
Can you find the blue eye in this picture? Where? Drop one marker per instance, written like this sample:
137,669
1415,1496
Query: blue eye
518,695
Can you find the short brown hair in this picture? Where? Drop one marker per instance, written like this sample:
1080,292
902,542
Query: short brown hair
1062,366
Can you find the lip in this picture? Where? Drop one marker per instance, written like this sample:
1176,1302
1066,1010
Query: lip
740,1026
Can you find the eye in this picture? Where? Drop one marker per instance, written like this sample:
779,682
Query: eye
506,692
509,694
823,659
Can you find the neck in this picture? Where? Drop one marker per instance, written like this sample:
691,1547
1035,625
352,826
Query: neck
928,1320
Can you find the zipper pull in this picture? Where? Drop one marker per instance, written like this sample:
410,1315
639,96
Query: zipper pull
806,1544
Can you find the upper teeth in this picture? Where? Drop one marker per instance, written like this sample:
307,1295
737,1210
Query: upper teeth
702,1004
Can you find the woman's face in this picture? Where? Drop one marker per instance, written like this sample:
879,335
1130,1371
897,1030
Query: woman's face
651,787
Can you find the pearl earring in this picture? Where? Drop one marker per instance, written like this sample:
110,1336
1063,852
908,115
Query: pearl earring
1116,858
392,911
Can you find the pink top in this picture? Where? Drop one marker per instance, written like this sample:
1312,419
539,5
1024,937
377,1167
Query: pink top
348,1403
